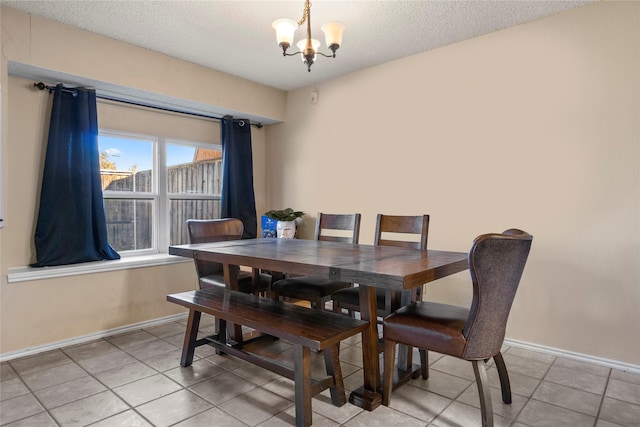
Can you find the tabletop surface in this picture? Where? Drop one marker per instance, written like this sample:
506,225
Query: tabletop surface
379,266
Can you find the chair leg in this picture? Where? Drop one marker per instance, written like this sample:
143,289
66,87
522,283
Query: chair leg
274,295
505,384
387,377
482,381
336,307
424,363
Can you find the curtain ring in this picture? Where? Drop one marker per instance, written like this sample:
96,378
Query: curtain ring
241,123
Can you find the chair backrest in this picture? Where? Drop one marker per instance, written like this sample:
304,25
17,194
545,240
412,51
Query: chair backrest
213,230
496,262
328,224
402,225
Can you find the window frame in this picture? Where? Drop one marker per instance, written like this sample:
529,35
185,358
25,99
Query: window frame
160,196
166,236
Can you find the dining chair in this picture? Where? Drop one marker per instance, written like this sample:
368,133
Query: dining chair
391,230
475,334
318,290
211,273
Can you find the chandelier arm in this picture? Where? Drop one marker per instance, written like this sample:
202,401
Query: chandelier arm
293,54
325,55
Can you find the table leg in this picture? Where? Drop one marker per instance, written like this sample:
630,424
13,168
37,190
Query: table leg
404,357
405,368
368,396
255,281
231,282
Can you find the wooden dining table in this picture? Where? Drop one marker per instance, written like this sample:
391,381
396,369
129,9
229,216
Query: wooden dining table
369,266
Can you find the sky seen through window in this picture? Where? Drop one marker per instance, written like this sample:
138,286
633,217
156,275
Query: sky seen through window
138,153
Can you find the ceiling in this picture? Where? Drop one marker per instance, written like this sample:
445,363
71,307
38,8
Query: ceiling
236,37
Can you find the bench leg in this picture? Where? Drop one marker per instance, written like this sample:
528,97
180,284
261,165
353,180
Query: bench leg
189,345
332,364
302,377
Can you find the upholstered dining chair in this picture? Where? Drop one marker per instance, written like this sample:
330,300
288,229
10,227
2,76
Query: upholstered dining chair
391,230
318,290
211,273
475,334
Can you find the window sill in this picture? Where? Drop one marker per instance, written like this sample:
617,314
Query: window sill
25,274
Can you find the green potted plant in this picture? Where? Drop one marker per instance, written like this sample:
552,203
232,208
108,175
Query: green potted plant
286,222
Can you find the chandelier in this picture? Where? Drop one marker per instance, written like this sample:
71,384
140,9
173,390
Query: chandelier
308,48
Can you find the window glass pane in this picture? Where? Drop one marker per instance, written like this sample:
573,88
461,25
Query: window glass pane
191,173
182,210
193,170
129,223
126,164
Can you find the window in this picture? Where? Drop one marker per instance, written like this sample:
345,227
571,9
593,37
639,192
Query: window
152,185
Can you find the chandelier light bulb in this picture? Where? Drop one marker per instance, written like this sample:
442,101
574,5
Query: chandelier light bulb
285,29
302,46
333,34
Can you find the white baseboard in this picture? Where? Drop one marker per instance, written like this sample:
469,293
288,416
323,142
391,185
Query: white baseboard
88,338
515,343
575,356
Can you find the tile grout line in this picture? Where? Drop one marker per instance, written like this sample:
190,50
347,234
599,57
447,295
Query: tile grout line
530,397
32,392
604,392
159,372
110,389
64,351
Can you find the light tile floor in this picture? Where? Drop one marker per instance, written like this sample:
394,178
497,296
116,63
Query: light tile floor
134,379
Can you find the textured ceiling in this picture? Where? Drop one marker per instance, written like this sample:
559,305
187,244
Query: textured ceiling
236,36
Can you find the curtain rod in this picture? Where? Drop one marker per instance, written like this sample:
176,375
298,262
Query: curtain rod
42,86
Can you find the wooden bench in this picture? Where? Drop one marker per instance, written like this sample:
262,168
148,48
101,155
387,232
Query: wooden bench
305,328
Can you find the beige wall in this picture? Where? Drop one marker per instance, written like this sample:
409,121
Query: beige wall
535,127
40,312
3,137
43,43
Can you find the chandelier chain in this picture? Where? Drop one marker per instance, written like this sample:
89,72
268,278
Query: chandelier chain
305,13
